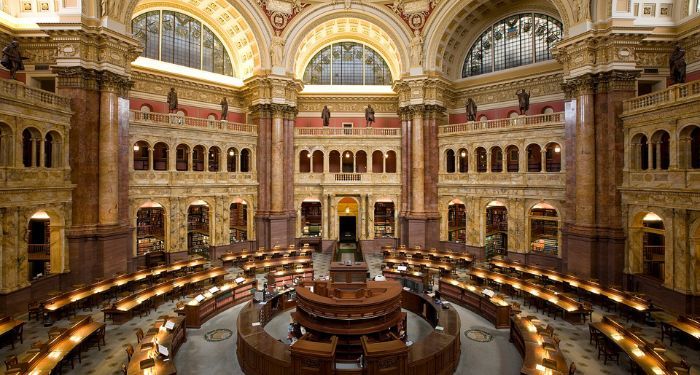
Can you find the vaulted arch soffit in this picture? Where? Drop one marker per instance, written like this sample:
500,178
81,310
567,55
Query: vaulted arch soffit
319,26
454,25
237,24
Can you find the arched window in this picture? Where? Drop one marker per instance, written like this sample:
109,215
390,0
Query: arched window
695,147
689,147
304,162
534,158
245,160
347,63
348,162
512,154
450,161
390,162
198,158
660,151
317,161
214,157
517,40
31,147
463,161
141,154
232,160
177,38
361,162
653,246
553,157
334,162
480,159
544,229
52,150
7,146
496,159
160,157
640,152
377,162
182,162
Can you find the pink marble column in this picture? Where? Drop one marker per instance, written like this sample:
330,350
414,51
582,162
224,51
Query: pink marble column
417,162
584,154
277,161
108,155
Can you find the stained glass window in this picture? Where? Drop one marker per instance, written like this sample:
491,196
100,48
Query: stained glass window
347,63
517,40
180,39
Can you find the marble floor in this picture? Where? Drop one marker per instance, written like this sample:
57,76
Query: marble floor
204,355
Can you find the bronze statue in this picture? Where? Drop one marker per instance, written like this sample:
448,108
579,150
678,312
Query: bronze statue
471,110
172,101
224,109
677,65
369,115
523,101
12,58
326,116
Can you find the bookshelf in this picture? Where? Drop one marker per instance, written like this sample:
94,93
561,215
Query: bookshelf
456,223
150,229
384,220
198,243
311,219
544,231
198,219
238,225
496,220
495,244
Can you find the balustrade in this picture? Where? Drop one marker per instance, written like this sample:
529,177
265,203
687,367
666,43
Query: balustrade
672,94
523,121
195,122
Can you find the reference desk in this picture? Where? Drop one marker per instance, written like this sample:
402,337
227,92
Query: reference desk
540,352
123,310
11,329
49,355
494,307
460,258
206,305
640,351
617,296
146,358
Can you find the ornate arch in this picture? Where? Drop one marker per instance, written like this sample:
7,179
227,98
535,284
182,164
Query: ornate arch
329,23
451,28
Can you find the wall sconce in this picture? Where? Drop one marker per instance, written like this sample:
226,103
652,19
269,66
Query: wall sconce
463,154
347,155
347,210
136,147
557,149
231,153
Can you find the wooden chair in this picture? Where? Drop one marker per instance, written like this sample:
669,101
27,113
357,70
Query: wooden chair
129,349
609,352
572,368
35,309
587,311
11,361
19,333
595,335
99,338
139,335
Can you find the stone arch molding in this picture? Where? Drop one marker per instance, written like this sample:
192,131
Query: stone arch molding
449,15
310,32
237,23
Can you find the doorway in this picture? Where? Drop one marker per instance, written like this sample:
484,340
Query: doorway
348,232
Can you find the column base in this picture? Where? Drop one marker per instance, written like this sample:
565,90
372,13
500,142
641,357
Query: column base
423,231
275,230
594,253
99,252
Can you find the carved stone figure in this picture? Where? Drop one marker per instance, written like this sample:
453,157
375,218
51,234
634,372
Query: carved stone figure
326,115
523,101
224,109
416,49
582,10
172,101
12,58
369,115
677,65
471,110
277,49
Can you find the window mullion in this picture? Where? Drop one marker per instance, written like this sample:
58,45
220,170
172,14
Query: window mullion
160,35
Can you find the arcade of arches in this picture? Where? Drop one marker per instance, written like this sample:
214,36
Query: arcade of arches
592,171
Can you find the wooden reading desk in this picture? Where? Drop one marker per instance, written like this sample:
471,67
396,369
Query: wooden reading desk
445,267
43,360
262,254
688,326
494,308
540,352
11,329
146,359
460,258
215,300
277,262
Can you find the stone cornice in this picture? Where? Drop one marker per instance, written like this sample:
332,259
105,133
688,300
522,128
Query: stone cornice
157,84
589,84
272,89
422,90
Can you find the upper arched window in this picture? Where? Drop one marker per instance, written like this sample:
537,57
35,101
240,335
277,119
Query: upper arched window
180,39
347,63
517,40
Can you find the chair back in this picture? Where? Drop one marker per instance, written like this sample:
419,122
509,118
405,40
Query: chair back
129,350
572,368
139,334
11,361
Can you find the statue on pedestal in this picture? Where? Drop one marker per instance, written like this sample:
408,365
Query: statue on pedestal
523,101
677,65
224,109
369,115
12,58
172,101
471,110
326,116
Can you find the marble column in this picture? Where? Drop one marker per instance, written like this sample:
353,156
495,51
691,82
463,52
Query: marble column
108,156
417,163
277,160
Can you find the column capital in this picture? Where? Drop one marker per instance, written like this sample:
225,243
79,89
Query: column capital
76,77
112,82
618,80
580,85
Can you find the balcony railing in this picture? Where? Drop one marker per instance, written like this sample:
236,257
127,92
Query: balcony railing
524,121
39,249
195,122
670,95
23,93
348,177
357,132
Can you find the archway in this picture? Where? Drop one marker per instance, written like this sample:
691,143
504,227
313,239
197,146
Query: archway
198,228
311,218
384,223
150,228
496,237
238,223
544,229
347,219
653,246
456,221
39,245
